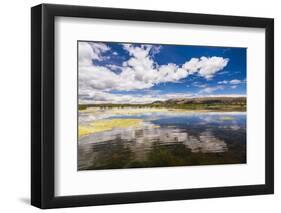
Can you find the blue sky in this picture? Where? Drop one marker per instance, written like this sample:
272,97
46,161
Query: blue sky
142,73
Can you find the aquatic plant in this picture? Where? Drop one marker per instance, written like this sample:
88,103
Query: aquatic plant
108,124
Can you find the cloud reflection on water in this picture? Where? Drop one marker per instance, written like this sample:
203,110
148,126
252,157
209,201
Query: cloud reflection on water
149,133
195,132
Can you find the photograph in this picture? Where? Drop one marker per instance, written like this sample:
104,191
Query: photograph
159,105
139,105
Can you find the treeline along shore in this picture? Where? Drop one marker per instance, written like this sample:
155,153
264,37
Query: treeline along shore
202,103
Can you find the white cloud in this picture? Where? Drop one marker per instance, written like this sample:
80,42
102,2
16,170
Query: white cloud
198,84
223,82
233,87
211,89
156,49
89,51
206,67
101,78
114,67
141,51
85,54
223,72
140,71
235,81
101,97
222,95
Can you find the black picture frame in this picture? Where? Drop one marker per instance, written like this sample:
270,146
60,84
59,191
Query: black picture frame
43,102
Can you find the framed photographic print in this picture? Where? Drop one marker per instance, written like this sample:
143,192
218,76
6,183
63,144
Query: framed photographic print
139,106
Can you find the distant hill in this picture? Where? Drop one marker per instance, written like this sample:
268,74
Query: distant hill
202,103
203,100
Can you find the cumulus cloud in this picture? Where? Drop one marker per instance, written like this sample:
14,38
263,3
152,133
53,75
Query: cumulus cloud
206,67
223,82
211,89
139,71
235,81
198,84
102,78
89,51
114,67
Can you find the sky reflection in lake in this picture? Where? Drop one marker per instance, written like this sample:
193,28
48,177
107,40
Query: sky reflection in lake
164,139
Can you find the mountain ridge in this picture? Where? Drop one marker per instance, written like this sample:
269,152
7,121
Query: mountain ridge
204,100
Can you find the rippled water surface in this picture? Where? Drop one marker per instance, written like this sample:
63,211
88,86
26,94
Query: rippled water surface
160,139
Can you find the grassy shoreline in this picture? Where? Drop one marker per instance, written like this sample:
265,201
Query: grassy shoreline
201,103
191,107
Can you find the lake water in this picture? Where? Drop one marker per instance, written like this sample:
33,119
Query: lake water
161,138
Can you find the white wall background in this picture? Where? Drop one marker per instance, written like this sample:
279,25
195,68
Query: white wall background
15,106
